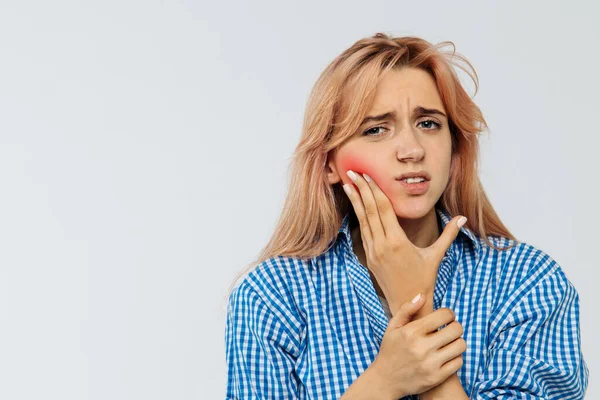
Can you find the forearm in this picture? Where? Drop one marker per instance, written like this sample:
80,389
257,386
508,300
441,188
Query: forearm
366,387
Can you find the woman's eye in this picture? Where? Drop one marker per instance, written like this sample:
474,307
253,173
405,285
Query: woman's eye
430,125
367,132
427,121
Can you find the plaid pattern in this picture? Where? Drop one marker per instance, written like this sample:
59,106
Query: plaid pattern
307,329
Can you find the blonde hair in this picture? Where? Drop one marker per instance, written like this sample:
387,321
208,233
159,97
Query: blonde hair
313,209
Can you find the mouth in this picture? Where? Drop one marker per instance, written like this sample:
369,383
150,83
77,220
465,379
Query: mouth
414,185
414,177
414,180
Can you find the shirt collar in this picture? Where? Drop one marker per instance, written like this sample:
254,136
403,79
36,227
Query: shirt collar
344,233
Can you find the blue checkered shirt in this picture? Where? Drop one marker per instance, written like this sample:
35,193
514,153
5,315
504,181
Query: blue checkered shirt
307,329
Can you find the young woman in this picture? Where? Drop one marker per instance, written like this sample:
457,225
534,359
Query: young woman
373,286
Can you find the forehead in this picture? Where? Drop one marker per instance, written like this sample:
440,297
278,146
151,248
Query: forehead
407,86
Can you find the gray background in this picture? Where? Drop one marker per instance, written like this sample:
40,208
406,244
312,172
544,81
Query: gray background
144,149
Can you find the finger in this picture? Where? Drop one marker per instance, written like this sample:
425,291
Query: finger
449,234
387,215
451,367
447,335
357,204
404,313
451,350
441,316
370,206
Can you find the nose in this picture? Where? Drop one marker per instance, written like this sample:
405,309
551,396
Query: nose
408,147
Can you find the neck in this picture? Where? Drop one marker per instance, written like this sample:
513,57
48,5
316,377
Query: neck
422,232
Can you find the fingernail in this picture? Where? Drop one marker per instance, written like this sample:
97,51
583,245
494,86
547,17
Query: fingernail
351,174
461,221
347,189
367,177
417,297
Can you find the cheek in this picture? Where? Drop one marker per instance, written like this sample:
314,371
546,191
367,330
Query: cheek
360,165
356,164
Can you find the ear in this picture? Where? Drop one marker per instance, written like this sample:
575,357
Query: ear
333,176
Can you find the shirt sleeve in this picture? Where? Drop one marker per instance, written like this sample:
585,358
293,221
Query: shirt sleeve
536,352
259,351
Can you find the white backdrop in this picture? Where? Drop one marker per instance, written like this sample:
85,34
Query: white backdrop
144,152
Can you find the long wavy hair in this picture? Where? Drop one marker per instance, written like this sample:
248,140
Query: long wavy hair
342,96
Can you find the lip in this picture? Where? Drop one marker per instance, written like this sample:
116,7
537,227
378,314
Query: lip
415,188
414,174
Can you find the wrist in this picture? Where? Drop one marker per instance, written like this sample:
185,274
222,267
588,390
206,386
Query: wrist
451,388
370,385
397,295
378,387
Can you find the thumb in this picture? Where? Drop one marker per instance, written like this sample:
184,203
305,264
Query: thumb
404,313
449,234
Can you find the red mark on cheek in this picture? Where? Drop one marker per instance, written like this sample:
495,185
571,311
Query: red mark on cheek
354,163
360,166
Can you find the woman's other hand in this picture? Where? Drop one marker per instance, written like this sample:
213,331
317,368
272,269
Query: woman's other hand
415,356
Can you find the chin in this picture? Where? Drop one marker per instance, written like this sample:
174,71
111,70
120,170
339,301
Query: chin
413,209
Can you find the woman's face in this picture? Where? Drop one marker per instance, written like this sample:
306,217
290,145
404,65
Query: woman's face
407,140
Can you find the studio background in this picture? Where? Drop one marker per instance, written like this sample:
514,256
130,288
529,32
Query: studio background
144,153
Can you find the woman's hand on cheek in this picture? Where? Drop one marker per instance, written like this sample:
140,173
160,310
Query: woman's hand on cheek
401,268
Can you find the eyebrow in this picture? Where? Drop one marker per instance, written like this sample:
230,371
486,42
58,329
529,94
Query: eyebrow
392,114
